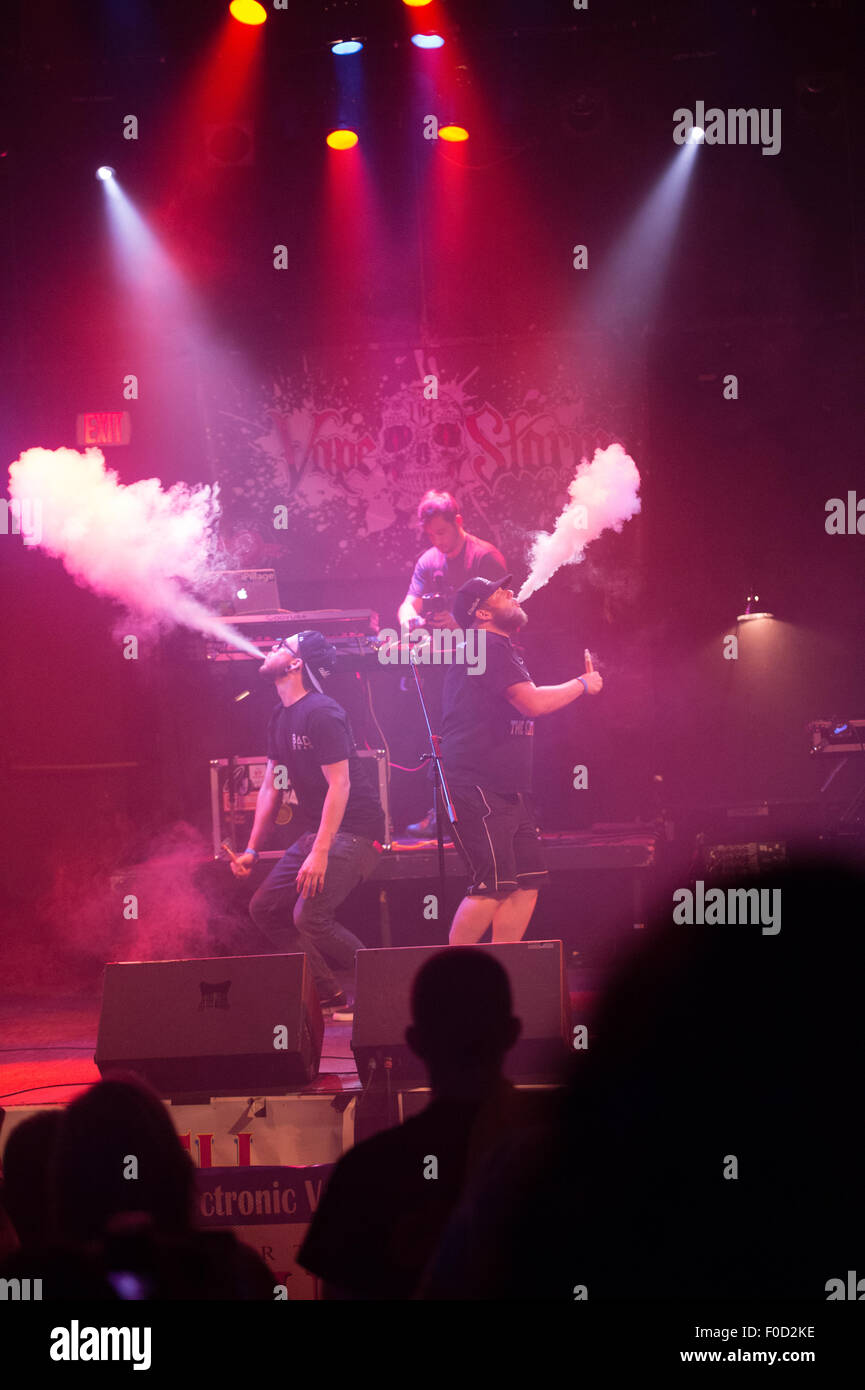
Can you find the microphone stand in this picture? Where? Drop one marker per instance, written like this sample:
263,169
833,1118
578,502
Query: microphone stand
442,795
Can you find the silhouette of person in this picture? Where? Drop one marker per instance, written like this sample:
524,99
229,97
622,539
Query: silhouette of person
390,1197
124,1203
709,1145
29,1173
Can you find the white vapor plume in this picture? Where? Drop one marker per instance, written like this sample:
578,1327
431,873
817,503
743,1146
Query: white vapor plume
604,495
140,544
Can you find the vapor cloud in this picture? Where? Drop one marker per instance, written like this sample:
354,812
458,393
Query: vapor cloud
604,495
140,544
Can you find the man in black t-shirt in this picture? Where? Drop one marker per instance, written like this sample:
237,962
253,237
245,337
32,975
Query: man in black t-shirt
310,746
486,750
453,557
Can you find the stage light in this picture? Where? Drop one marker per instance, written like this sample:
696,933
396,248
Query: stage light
427,40
416,4
453,133
696,136
342,139
753,610
247,11
144,269
105,172
345,46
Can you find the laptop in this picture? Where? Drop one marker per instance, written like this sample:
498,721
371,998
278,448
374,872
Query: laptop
235,592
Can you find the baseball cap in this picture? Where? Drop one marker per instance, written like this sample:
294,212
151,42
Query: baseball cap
316,653
470,596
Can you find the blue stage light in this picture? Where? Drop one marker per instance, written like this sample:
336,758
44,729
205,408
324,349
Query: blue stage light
345,46
427,40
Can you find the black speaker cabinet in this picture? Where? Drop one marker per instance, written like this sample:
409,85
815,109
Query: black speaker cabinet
539,986
236,1025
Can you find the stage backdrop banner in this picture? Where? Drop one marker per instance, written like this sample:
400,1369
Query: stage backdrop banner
269,1209
322,462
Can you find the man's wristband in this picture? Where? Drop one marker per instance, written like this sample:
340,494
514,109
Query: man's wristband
585,683
251,851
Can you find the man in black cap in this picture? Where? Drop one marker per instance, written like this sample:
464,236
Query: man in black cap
486,748
309,742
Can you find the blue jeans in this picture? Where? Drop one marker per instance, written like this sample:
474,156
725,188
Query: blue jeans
350,860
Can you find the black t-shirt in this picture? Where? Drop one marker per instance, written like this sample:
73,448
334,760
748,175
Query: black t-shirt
381,1216
310,734
485,740
476,558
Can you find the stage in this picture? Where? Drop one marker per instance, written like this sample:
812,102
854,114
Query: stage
291,1141
609,849
49,1036
435,406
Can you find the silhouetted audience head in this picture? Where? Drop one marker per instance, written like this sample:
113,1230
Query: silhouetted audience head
462,1009
123,1191
29,1173
712,1145
118,1152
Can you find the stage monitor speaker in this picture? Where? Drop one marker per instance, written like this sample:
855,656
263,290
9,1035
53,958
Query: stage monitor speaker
539,986
236,1025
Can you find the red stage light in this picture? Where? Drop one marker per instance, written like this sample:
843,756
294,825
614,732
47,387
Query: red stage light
247,11
453,133
342,139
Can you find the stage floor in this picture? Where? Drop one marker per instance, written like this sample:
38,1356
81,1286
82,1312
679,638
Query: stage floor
48,1042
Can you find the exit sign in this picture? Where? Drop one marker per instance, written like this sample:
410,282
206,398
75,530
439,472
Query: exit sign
103,427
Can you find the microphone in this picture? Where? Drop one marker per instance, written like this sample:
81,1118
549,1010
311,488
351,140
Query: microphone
414,654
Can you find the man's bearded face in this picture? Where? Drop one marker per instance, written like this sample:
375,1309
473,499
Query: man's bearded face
505,610
279,660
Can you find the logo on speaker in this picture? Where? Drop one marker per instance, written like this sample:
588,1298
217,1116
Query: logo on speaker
214,996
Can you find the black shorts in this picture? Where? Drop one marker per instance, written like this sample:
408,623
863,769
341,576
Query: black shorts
497,836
